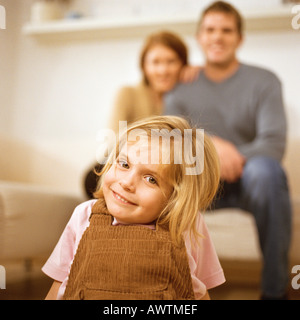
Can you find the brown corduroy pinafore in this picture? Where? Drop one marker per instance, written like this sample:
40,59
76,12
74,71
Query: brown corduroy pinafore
127,262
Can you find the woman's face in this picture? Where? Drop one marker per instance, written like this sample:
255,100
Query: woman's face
162,67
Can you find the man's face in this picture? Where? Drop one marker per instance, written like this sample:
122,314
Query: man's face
219,38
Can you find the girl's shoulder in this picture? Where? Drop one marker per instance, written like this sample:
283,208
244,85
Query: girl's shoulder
86,205
82,213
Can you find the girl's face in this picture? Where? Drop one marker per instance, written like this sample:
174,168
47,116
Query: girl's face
135,193
162,67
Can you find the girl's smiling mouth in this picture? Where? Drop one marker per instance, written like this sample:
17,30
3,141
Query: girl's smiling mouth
121,199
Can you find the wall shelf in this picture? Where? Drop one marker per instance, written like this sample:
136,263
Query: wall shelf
267,19
106,28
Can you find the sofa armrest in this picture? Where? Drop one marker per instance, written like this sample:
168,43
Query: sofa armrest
32,219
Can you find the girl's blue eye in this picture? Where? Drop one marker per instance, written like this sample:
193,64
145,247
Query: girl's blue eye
151,180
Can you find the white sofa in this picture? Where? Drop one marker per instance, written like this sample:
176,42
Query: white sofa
32,213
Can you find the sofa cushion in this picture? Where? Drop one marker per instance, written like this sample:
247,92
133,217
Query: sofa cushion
234,234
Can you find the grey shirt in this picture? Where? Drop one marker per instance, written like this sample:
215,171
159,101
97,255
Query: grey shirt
246,109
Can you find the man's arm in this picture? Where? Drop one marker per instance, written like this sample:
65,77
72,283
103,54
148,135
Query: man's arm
231,160
271,125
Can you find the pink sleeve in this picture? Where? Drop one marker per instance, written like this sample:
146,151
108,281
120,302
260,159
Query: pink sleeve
58,265
203,260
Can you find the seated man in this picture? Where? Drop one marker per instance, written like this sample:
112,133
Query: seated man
241,107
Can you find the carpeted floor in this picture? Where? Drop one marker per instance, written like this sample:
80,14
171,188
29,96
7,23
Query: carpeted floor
34,285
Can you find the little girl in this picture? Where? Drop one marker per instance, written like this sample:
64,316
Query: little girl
143,237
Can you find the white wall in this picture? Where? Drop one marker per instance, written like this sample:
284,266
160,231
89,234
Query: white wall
58,94
8,44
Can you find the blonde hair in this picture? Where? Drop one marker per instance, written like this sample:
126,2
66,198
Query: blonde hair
191,192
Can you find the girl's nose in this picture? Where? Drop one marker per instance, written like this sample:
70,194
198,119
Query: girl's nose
126,186
127,183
